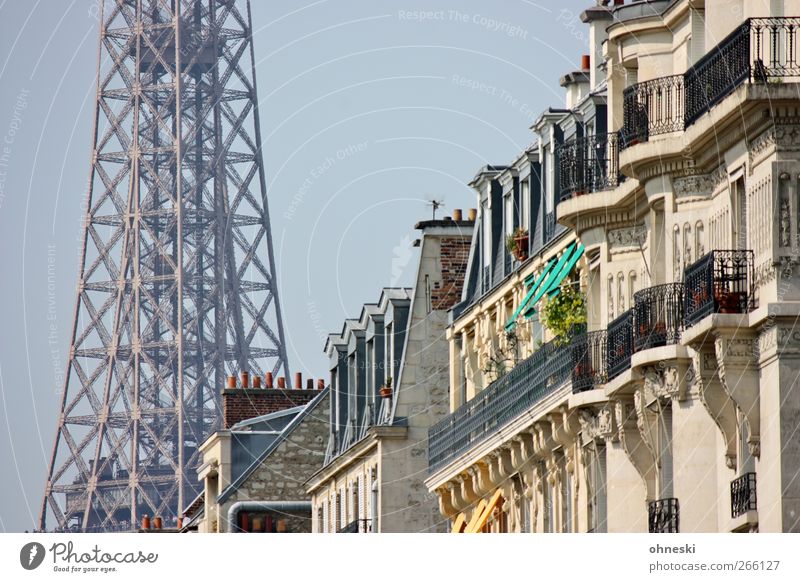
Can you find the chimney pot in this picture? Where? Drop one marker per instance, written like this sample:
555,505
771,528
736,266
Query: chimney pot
281,383
231,381
245,380
457,215
472,214
310,384
256,381
585,63
320,384
157,523
268,381
145,522
298,381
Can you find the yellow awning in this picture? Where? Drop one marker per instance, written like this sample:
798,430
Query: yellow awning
477,525
475,516
459,523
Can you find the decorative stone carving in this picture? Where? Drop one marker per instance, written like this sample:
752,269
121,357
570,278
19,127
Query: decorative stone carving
764,273
785,223
625,240
691,188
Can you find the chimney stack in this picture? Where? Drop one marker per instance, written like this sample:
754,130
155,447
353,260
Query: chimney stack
241,404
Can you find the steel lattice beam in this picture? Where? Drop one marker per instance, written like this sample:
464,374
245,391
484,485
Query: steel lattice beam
176,287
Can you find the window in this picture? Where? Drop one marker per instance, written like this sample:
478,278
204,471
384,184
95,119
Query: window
596,455
665,452
525,203
486,243
508,213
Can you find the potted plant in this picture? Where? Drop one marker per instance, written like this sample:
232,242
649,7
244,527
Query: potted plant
727,301
386,389
661,327
517,243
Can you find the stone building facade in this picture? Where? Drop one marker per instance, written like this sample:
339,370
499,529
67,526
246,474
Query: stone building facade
253,470
389,378
675,407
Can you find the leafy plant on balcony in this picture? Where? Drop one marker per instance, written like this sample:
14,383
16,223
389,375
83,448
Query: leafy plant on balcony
564,311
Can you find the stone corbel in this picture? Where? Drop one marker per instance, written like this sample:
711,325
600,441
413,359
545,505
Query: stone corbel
446,507
637,449
500,465
716,401
457,500
522,450
738,371
543,443
481,481
468,492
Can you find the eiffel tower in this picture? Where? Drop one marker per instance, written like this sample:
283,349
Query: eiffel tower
176,287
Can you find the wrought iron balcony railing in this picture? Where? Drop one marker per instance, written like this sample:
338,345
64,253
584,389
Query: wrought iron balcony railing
663,516
758,51
743,494
589,360
658,316
357,526
651,108
619,344
719,282
502,401
588,164
549,226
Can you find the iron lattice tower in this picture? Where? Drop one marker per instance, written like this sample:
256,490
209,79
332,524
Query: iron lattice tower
176,287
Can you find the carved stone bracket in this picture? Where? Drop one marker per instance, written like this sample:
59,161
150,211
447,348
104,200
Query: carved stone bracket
636,447
468,493
446,507
691,188
716,401
500,465
668,381
482,483
738,372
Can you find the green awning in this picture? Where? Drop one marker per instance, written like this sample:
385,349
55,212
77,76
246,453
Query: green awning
556,287
534,288
556,276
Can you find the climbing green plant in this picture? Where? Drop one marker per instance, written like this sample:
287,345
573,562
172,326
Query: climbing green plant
567,309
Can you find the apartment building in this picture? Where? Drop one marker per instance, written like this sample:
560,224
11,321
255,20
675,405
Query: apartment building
672,173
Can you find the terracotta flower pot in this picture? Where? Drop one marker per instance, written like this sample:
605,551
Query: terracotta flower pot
521,247
386,391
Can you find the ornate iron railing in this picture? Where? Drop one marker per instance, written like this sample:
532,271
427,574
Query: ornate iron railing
652,107
619,344
718,73
719,282
760,50
589,360
357,526
588,164
658,316
549,226
502,401
743,494
663,516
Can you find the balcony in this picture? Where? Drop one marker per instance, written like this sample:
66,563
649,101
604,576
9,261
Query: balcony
658,316
620,344
743,495
588,361
761,50
357,526
719,282
663,516
588,164
503,400
653,107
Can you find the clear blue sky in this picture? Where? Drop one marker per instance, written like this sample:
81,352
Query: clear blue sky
368,109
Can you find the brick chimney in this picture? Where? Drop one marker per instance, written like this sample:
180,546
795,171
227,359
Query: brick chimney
445,243
241,402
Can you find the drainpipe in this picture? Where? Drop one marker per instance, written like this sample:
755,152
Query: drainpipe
278,506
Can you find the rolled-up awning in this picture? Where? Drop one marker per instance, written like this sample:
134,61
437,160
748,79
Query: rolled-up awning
476,525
